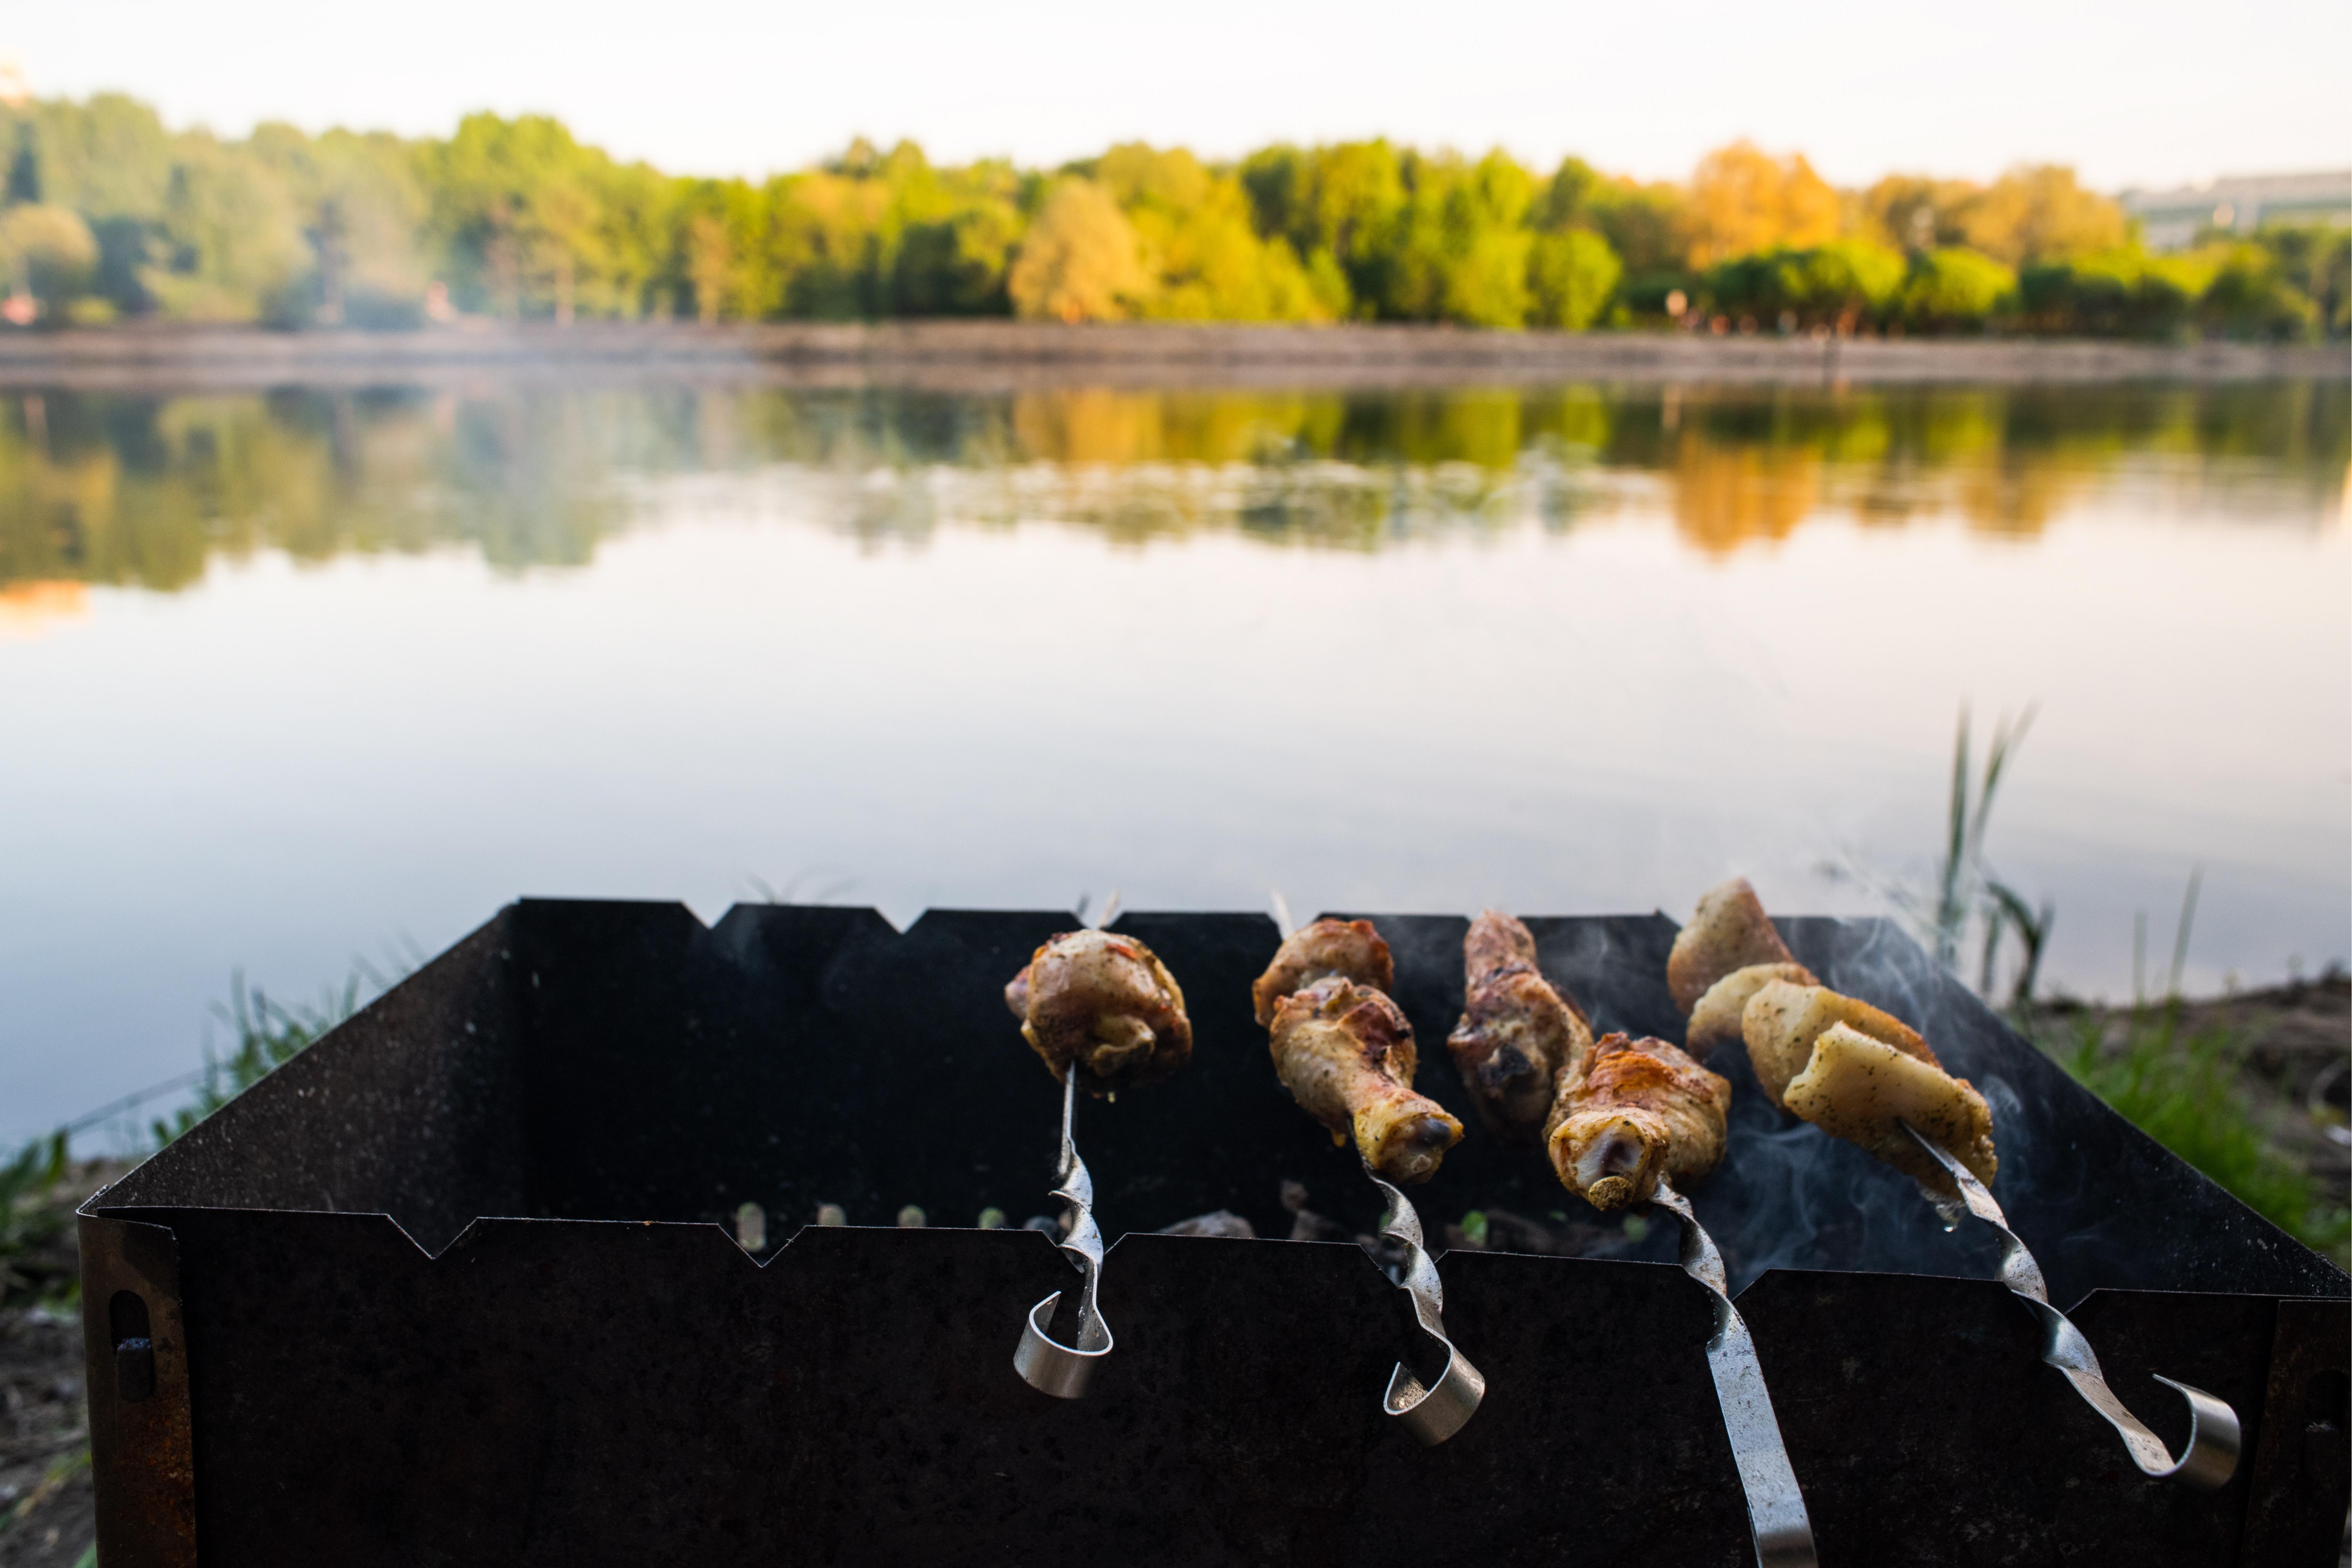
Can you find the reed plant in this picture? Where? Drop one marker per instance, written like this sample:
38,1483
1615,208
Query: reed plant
268,1034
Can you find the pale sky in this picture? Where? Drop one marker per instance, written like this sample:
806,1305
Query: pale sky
2151,92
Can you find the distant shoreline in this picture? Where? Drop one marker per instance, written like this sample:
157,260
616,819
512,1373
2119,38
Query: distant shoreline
995,355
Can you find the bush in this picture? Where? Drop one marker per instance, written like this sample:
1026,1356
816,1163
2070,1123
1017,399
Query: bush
1955,291
2115,294
1843,284
2316,258
1570,277
2251,297
46,252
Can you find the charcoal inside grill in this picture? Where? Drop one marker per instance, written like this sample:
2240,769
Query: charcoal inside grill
590,1391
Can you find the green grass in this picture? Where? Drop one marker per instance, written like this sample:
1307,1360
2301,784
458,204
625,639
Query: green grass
2187,1093
28,1219
268,1035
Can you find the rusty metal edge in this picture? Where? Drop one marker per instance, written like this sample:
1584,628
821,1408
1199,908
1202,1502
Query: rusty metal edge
2309,1340
143,1457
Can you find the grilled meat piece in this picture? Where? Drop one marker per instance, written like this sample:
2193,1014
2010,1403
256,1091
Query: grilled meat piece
1345,1052
1857,1072
1630,1111
1716,1021
1863,1090
1350,949
1103,1004
1781,1021
1517,1031
1730,931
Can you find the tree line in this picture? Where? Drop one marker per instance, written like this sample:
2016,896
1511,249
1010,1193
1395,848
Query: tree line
108,214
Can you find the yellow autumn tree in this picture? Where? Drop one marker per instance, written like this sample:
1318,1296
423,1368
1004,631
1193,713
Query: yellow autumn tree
2039,212
1079,261
1743,200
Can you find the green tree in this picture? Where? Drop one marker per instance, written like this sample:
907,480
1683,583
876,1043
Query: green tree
363,212
2317,260
2114,294
45,254
1955,291
230,247
520,204
2252,296
1572,278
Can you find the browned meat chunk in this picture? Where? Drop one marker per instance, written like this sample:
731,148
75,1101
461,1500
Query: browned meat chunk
1630,1112
1350,949
1716,1022
1517,1031
1730,931
1105,1005
1346,1053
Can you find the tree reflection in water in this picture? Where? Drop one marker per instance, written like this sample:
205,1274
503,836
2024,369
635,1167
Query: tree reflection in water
103,488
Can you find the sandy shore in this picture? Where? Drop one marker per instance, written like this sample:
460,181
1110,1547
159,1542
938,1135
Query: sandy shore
995,355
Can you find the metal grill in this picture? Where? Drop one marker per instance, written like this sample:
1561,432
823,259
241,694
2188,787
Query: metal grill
459,1285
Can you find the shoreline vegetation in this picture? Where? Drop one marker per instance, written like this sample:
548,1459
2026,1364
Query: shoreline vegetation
984,355
108,215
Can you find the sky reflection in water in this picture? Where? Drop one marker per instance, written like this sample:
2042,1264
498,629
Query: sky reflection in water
285,679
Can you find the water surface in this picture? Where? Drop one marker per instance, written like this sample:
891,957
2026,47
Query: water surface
289,679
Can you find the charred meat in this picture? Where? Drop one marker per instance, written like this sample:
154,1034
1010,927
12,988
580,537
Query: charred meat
1518,1030
1629,1111
1350,949
1104,1006
1346,1053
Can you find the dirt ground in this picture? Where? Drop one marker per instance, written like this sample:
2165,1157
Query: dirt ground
46,1509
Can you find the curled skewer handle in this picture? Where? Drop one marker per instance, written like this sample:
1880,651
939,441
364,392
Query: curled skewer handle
1045,1363
2215,1437
1434,1411
1783,1532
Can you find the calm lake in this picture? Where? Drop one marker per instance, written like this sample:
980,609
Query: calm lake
291,680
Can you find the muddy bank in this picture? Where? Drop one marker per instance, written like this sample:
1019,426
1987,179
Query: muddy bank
981,356
45,1504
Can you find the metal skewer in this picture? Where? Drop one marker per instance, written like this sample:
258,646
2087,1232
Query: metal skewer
2214,1436
1435,1411
1045,1363
1783,1532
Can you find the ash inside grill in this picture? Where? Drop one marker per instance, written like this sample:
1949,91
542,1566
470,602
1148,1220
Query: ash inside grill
547,1386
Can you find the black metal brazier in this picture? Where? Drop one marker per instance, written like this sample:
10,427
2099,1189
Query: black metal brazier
455,1287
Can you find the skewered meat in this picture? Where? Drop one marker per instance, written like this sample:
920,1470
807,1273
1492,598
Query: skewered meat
1350,949
1345,1052
1728,952
1716,1021
1863,1090
1630,1111
1518,1031
1103,1004
1781,1021
1857,1072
